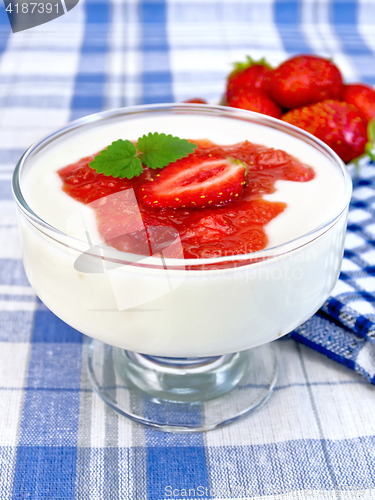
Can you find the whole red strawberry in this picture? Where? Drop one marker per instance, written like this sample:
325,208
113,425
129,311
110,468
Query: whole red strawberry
248,75
304,80
340,125
255,100
362,96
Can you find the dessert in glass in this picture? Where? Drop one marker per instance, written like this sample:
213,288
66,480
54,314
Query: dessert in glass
182,310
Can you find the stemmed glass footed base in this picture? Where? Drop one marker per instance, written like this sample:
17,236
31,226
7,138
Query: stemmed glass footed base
182,394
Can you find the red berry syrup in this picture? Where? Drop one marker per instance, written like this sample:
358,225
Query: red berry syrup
233,228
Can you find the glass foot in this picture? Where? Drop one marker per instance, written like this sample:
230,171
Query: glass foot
182,394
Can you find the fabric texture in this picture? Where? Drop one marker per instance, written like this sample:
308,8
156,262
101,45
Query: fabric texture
315,438
344,328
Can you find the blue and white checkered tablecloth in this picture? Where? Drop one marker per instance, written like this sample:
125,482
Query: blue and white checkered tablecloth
315,439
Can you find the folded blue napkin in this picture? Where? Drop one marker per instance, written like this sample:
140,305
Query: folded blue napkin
344,328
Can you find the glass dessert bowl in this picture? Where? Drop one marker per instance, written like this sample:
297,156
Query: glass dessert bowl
181,344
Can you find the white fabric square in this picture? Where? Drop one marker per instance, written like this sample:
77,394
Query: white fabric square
363,193
366,358
367,170
363,307
39,62
370,230
345,410
369,257
342,287
6,176
13,364
367,283
349,265
31,117
10,415
8,214
7,464
352,240
358,215
20,138
98,414
10,247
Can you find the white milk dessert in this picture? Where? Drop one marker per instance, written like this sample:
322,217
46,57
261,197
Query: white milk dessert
233,275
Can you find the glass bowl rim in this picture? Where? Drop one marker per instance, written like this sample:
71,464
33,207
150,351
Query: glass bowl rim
206,109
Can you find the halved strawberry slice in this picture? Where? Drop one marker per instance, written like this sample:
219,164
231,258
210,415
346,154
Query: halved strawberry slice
196,181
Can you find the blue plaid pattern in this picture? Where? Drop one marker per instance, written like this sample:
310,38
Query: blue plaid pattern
344,330
315,437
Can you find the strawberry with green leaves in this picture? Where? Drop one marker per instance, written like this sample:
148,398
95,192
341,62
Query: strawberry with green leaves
247,76
303,80
340,125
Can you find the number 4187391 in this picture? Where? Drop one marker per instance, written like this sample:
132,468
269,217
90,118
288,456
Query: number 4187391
32,8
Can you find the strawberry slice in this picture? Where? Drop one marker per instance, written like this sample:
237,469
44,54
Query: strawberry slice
196,181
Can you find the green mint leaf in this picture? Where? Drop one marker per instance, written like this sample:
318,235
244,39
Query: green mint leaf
158,150
118,160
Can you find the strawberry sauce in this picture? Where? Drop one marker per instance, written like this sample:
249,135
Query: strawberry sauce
234,227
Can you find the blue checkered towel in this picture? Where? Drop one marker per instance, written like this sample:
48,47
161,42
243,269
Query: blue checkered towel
344,329
315,438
